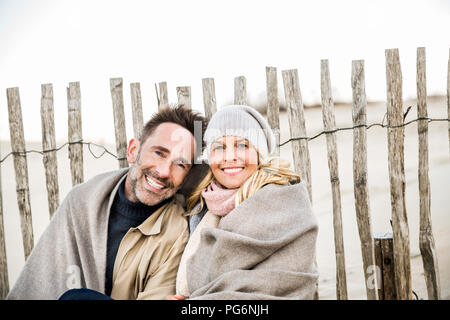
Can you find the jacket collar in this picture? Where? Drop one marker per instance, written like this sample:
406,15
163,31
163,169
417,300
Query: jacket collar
152,225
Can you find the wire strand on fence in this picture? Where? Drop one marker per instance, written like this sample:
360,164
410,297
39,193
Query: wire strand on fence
362,125
89,144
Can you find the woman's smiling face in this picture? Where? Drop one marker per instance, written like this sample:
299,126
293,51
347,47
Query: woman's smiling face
232,160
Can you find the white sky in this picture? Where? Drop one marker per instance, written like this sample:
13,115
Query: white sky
182,42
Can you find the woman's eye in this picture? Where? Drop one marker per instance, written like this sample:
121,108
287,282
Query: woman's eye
242,145
218,147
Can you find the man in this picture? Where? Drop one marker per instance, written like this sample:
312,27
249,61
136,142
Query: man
121,233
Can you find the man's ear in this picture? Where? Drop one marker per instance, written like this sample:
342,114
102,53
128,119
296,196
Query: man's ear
133,150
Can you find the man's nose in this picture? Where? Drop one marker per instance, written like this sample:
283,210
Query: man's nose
163,169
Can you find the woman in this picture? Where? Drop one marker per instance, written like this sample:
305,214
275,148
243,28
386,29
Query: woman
253,233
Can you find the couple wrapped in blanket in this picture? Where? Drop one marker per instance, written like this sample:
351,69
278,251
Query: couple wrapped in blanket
240,226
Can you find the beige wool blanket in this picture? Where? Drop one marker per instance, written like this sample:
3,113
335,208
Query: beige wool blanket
71,253
263,249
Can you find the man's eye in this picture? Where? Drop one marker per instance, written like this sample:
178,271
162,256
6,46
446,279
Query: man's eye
181,164
159,153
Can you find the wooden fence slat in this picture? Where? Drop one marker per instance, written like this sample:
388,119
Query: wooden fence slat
240,90
400,227
75,132
4,282
273,107
136,105
184,96
426,238
20,166
49,143
385,262
361,190
163,95
300,151
329,124
448,97
209,97
116,85
294,105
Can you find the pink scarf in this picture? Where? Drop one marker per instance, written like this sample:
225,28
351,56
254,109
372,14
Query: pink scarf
219,200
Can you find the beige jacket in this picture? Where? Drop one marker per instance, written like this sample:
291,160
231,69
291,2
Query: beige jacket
148,257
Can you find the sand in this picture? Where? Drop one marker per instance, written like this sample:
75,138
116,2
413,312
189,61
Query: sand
378,181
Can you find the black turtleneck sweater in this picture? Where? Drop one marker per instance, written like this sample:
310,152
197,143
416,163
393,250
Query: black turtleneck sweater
124,215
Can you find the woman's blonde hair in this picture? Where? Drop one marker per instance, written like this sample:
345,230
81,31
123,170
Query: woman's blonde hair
274,170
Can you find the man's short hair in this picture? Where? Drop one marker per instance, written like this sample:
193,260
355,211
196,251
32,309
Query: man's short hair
178,114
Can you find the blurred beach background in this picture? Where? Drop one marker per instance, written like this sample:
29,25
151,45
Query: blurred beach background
182,42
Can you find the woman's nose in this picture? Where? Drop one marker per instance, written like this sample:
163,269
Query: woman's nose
230,154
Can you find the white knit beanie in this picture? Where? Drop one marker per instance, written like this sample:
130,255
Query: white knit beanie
241,121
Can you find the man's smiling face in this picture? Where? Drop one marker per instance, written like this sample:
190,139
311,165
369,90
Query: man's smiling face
159,165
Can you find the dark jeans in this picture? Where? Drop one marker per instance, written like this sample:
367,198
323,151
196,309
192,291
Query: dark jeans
84,294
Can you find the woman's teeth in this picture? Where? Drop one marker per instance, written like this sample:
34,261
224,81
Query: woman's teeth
233,170
154,184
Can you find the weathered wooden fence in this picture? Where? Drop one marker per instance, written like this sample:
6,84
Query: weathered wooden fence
389,254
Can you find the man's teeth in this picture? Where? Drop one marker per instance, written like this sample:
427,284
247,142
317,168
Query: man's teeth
233,170
153,183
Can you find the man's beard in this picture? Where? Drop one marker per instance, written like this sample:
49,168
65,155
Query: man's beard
140,192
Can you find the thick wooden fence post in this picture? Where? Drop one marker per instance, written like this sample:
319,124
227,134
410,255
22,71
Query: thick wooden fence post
360,180
209,97
75,133
329,124
240,90
116,85
294,105
136,105
384,256
426,238
20,166
402,263
49,146
4,282
184,96
163,96
273,107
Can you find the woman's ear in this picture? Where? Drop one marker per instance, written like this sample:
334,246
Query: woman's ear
133,150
